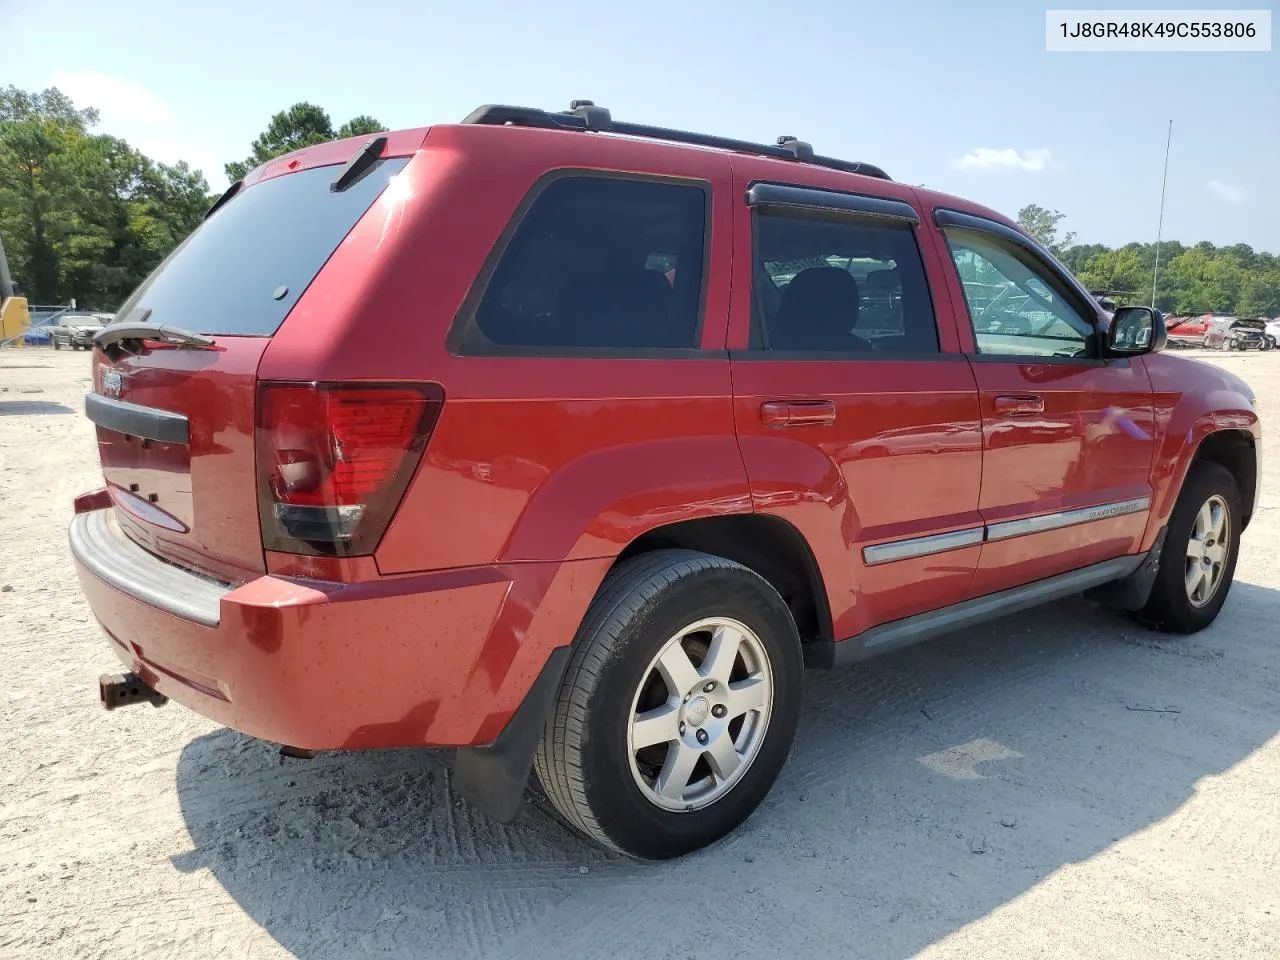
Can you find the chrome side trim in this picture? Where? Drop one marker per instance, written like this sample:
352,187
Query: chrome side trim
103,549
942,542
921,546
1065,518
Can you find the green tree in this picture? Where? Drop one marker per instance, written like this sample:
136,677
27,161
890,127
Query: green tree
51,105
1116,270
1260,294
301,125
1075,258
1043,225
1203,282
361,126
84,215
39,133
175,199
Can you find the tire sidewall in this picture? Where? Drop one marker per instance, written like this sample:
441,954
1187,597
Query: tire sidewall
630,820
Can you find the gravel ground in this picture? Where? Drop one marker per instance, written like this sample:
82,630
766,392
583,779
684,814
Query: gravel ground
999,793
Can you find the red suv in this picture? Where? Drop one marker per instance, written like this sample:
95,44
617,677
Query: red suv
570,442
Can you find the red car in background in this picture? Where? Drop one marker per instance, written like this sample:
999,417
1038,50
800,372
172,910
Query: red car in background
1188,331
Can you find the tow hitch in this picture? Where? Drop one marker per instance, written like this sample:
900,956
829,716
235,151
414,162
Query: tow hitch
126,689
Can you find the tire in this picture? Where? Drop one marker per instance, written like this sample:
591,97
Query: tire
56,344
1173,607
648,607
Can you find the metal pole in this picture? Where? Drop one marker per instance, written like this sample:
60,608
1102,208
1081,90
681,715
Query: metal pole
1155,274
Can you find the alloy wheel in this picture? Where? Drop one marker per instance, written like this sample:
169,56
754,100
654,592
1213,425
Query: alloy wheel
700,714
1207,551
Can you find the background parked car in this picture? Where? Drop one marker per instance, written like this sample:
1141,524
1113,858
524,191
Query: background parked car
37,335
1229,333
75,331
1188,331
1273,332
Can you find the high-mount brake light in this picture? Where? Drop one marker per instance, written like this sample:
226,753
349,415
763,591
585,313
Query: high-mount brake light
334,460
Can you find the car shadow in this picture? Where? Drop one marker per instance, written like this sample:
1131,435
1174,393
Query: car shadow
20,408
925,790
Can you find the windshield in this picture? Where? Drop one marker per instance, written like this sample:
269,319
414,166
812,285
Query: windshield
243,269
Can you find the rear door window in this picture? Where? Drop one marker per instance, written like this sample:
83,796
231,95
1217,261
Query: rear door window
828,284
599,264
243,269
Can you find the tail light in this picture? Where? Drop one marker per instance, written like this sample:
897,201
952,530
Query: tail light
334,460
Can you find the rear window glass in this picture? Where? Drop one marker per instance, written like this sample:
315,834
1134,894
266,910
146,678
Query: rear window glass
243,269
598,263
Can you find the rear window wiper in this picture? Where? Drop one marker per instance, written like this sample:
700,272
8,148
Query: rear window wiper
123,334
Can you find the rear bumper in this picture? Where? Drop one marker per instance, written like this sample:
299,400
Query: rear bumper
440,659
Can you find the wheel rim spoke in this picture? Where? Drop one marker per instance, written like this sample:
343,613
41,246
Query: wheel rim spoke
723,757
1217,519
1195,577
746,695
653,727
678,671
722,654
674,778
1204,521
1195,549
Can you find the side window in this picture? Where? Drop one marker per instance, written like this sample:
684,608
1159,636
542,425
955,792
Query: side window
1014,309
598,263
839,285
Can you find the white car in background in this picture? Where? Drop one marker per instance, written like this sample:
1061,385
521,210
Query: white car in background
1273,332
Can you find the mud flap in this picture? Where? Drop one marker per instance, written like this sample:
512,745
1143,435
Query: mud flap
493,778
1132,592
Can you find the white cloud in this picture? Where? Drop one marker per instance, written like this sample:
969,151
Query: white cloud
119,102
990,158
171,151
1227,191
135,114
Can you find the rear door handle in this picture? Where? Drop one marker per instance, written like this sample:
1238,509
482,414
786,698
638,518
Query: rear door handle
1019,404
797,413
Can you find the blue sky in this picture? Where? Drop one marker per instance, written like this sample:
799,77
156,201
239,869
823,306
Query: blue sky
914,87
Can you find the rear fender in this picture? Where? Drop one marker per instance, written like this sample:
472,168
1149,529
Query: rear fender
605,499
592,508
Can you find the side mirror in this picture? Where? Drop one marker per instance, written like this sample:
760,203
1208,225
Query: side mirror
1136,330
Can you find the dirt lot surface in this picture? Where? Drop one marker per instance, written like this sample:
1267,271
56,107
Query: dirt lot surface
1060,784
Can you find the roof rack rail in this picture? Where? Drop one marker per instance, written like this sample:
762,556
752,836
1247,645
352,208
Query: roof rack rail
585,115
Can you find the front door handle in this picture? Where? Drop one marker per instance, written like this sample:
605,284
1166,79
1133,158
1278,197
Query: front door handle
797,413
1023,404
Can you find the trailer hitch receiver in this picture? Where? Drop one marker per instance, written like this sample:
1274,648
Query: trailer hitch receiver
126,689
